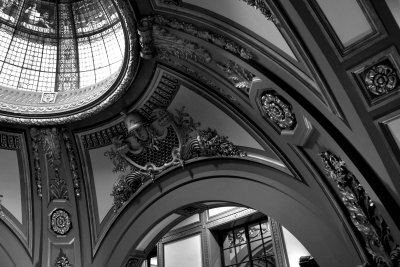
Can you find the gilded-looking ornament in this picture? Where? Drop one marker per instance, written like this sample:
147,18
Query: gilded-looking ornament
262,6
378,241
278,111
240,77
152,146
380,80
62,260
204,34
60,222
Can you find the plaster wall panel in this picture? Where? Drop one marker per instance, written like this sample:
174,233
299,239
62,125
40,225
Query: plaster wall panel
247,16
10,184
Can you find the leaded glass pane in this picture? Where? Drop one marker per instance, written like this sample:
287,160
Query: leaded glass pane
89,16
254,231
9,10
39,16
228,240
229,256
240,236
242,253
77,44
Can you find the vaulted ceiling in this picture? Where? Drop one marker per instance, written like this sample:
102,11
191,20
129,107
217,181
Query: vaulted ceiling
307,90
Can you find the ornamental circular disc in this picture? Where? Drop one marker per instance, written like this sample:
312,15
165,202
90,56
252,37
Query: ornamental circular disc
60,222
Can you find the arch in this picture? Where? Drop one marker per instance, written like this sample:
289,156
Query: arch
312,219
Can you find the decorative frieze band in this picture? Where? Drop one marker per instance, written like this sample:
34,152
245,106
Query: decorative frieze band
103,137
8,141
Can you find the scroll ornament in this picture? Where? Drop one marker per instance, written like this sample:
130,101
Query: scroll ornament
153,146
379,242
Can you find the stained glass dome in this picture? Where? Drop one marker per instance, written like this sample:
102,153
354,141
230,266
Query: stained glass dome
57,56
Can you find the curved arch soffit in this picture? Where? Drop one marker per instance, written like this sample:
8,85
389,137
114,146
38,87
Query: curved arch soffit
293,204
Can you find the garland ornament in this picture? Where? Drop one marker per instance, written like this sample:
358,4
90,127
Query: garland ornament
153,146
378,241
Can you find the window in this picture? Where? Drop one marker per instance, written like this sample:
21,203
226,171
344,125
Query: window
248,245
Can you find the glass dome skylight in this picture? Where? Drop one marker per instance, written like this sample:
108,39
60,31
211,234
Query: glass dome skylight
49,47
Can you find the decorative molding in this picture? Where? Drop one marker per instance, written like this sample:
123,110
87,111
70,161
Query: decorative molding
8,141
152,146
240,77
262,6
48,97
166,43
58,187
126,186
206,35
145,31
103,137
380,79
379,76
277,239
277,111
50,140
162,97
199,77
364,215
62,260
345,50
60,222
36,161
72,162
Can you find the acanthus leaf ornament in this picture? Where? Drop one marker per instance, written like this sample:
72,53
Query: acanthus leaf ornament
153,146
240,77
278,111
380,80
72,162
264,9
60,222
363,213
62,260
49,140
206,35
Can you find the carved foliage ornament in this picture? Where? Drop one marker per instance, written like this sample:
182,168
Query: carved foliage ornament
262,6
152,146
166,43
62,260
278,111
205,35
36,162
240,77
60,222
379,243
50,141
381,79
72,162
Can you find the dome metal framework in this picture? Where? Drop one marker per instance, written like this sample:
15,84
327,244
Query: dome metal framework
57,56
